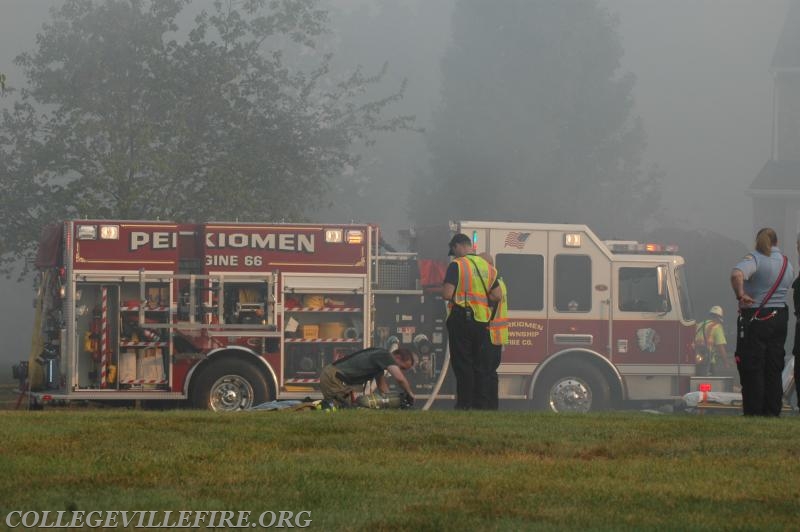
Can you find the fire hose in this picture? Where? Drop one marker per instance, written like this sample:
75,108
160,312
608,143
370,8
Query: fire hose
442,375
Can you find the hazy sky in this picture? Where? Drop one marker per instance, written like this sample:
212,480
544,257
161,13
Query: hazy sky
704,91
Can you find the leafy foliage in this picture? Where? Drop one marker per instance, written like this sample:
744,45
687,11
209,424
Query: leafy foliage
122,117
535,123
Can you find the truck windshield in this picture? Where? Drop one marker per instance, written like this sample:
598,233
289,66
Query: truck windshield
683,293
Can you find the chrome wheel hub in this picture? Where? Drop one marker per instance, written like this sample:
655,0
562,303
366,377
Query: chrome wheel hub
570,395
231,392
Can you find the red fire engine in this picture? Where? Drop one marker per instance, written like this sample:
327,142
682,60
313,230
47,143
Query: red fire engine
229,315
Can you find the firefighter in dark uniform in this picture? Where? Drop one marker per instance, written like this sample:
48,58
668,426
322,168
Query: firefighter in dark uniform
341,380
760,282
796,347
470,286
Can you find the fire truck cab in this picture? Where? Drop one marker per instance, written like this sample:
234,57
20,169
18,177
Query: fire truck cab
592,323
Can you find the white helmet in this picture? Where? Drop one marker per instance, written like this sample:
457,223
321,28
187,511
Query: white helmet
716,310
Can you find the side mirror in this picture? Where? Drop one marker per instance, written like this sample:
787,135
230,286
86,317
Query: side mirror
662,273
663,288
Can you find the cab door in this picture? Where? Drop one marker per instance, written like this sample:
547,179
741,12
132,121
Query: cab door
579,298
646,343
521,260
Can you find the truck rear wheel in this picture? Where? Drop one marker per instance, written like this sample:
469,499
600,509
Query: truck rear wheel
567,388
230,385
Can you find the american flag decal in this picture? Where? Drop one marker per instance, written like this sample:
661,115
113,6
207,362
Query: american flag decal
515,239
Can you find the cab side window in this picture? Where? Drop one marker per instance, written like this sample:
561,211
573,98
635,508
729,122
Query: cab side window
573,283
524,278
642,289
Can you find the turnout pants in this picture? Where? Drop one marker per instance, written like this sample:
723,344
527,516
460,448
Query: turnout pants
335,389
466,338
759,359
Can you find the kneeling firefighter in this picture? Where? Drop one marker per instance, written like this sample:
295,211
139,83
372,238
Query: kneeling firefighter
341,380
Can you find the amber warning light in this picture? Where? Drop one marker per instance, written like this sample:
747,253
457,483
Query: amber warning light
355,236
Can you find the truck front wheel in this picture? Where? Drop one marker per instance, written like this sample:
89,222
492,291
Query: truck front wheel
572,389
230,385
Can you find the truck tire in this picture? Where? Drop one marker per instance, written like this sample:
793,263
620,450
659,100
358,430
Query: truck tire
567,388
230,385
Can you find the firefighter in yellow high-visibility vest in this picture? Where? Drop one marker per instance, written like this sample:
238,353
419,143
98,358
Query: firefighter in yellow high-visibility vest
496,338
470,286
710,344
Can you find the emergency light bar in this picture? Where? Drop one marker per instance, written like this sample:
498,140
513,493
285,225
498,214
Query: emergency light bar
639,248
89,232
337,236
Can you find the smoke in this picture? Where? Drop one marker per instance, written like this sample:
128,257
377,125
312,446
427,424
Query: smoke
703,90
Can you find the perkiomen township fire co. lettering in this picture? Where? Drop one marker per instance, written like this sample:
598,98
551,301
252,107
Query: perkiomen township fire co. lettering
297,242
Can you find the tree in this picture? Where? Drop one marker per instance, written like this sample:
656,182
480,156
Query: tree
123,118
371,32
535,124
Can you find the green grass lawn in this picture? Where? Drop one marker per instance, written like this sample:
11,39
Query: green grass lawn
412,470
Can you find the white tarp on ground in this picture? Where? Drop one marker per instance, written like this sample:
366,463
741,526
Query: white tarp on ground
693,399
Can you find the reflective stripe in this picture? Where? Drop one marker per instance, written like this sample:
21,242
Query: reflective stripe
498,327
470,290
706,328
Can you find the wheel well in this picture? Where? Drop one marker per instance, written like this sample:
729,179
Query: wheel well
248,357
580,358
